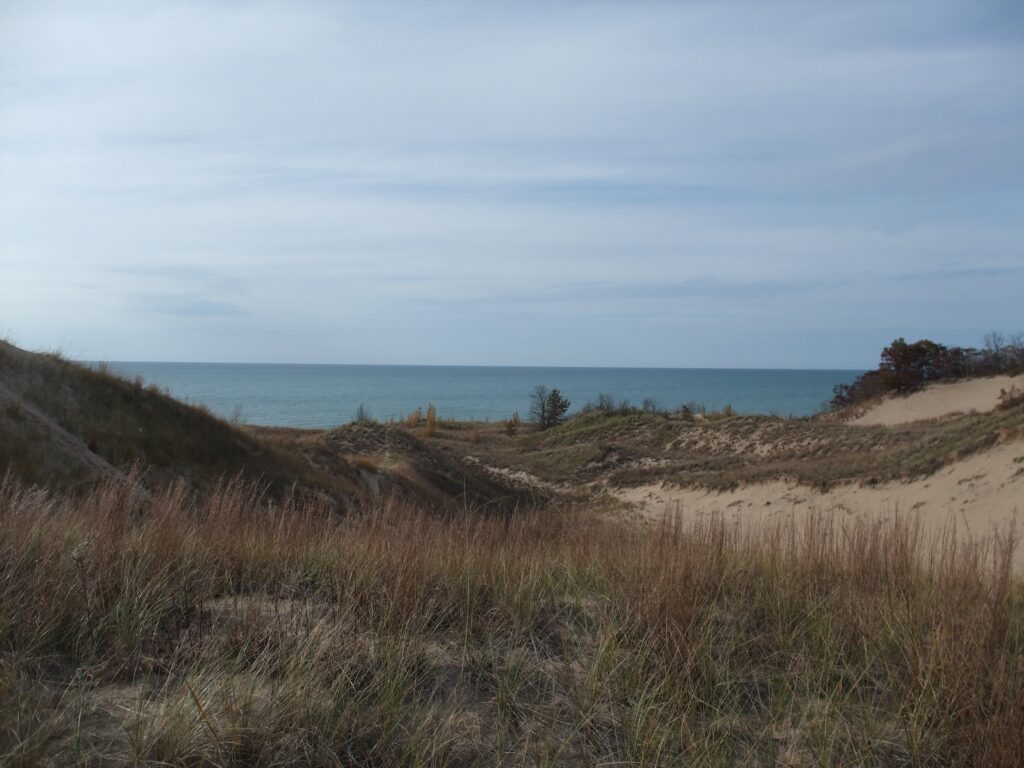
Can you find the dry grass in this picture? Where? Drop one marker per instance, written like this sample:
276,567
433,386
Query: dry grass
724,452
65,423
155,629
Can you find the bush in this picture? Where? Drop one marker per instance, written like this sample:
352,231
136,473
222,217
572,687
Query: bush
1011,397
512,425
414,418
363,416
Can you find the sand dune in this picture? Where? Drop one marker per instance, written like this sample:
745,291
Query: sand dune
979,493
939,400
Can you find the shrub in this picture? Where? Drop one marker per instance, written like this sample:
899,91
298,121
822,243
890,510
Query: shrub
363,416
1011,397
512,425
414,418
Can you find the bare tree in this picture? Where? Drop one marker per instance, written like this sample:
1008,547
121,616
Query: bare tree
994,343
1015,350
539,406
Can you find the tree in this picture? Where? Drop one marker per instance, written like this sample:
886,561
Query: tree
908,366
557,408
994,343
1015,349
539,406
547,407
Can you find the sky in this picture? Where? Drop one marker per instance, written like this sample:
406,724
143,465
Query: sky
682,184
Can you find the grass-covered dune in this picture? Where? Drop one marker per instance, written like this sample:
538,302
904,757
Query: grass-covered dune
164,628
64,426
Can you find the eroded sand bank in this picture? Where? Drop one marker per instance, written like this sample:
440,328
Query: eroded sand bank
979,493
940,400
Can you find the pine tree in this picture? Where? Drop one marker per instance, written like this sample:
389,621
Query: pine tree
557,408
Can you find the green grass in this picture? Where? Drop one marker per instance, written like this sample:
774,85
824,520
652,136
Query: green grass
165,629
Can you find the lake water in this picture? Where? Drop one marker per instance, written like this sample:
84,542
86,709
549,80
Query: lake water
328,395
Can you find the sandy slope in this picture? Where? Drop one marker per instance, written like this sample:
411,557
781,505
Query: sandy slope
979,492
939,400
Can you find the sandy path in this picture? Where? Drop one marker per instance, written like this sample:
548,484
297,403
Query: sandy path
517,478
980,492
939,400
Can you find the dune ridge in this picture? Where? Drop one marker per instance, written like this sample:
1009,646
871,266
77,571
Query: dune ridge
938,400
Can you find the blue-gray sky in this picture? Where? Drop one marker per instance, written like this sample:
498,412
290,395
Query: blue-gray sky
736,184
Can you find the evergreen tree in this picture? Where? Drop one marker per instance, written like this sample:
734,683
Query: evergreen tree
557,408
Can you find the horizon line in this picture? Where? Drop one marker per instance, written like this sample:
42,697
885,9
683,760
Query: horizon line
473,365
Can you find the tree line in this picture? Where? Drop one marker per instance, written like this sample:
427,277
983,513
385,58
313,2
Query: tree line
905,366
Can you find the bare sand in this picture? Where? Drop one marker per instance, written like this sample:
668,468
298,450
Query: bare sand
978,494
939,400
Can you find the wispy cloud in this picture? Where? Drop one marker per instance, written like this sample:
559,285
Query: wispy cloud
179,305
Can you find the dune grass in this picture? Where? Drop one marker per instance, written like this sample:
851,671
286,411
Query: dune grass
156,628
638,448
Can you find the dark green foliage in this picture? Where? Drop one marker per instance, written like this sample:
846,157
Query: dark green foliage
557,408
547,407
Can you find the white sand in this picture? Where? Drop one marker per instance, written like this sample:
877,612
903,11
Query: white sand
939,400
979,493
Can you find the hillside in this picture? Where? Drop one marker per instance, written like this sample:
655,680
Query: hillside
964,468
65,425
721,451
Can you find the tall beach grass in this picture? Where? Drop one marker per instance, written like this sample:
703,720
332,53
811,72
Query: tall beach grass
156,628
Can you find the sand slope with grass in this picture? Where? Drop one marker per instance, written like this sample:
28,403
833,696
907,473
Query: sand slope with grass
939,400
978,494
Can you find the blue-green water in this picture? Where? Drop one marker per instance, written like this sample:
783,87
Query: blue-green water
328,395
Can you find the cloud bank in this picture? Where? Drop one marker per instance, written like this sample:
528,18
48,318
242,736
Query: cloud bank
674,184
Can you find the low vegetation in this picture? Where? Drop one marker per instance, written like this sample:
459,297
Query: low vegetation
722,450
156,628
